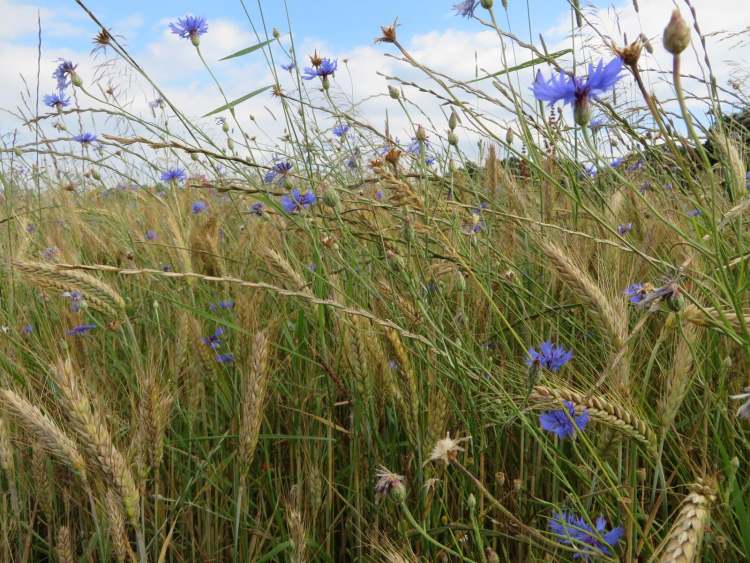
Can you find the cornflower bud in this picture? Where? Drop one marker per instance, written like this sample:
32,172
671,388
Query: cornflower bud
676,36
393,92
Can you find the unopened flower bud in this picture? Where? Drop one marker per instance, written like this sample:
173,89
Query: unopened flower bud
75,78
276,33
676,36
194,156
421,134
331,198
487,4
453,120
582,111
225,127
471,501
230,143
453,139
491,555
509,136
393,92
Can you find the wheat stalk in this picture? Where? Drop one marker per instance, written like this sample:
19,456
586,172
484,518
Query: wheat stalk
253,400
599,409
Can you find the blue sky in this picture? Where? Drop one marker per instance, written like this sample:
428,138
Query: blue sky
342,23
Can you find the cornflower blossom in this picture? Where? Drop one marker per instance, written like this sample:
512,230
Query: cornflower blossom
157,103
151,234
173,175
297,201
76,299
190,27
549,356
289,67
225,358
624,228
466,8
57,100
326,68
65,69
27,329
257,208
223,304
596,124
389,484
199,207
214,340
635,293
80,330
278,172
695,213
85,138
564,423
340,129
747,180
578,91
575,531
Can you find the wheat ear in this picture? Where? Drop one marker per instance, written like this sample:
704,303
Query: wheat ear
64,546
686,535
45,430
254,397
599,409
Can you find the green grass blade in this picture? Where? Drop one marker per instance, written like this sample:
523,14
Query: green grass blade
233,103
527,64
248,50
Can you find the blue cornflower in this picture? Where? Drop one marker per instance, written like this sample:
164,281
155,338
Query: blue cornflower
549,356
289,67
597,123
27,329
65,69
624,228
747,180
190,27
578,91
85,138
151,234
257,208
635,293
50,253
340,129
156,103
80,330
575,531
297,201
616,163
637,165
225,358
199,207
326,68
695,213
416,145
278,172
466,8
379,195
214,341
226,304
173,175
166,267
57,101
429,161
76,297
564,423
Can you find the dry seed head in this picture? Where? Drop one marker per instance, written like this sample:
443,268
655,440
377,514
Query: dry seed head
117,530
64,547
683,545
253,400
388,33
447,449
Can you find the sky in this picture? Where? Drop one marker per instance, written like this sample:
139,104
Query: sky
344,29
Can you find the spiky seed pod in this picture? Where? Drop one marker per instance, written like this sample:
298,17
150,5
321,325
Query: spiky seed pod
599,409
686,535
45,430
64,547
97,294
96,440
253,400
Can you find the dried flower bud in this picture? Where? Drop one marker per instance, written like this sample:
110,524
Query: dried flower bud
388,33
276,33
393,92
647,44
676,36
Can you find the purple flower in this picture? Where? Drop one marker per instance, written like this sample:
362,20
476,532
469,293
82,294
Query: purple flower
624,229
326,68
597,123
747,180
617,162
50,253
429,161
257,208
80,330
578,91
289,67
166,267
157,103
379,195
199,207
549,356
151,234
85,138
214,341
57,101
635,293
65,69
27,329
297,201
466,8
575,531
278,172
173,175
695,213
564,423
225,358
340,129
75,300
190,27
223,304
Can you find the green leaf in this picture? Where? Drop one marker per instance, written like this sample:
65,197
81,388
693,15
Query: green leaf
233,103
532,62
248,50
